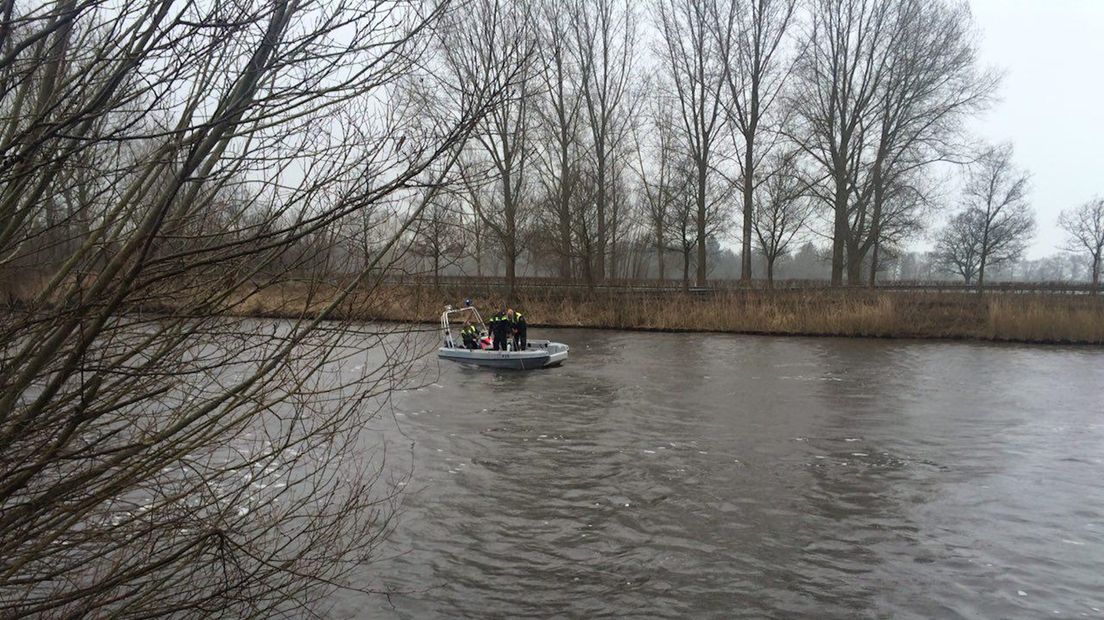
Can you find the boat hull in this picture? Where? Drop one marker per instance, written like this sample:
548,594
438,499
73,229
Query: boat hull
539,354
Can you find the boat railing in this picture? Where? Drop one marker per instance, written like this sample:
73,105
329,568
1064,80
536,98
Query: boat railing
446,328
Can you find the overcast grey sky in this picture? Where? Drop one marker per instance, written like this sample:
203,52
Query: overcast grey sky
1052,99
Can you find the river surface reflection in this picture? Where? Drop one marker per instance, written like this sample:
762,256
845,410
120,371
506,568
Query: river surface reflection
704,475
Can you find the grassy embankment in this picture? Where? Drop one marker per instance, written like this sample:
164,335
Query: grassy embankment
1042,318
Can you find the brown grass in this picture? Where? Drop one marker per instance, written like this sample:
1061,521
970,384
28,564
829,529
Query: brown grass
1035,320
1039,318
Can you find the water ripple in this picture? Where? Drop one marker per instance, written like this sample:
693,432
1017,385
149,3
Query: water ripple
667,476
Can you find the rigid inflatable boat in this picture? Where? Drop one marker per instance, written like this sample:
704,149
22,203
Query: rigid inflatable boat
537,353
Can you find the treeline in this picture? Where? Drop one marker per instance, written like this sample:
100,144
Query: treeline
644,140
806,262
687,139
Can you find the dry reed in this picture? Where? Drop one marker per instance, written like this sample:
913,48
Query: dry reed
1037,318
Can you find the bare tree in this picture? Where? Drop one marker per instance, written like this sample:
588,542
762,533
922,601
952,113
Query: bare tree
784,208
682,223
931,83
560,113
996,223
499,31
1084,227
584,224
624,211
437,235
605,44
958,248
899,213
750,36
694,64
202,160
683,203
656,166
880,95
838,77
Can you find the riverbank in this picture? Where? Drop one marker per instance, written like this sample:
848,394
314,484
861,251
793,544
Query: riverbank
1049,318
1029,318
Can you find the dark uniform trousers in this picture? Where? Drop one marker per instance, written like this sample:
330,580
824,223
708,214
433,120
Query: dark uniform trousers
520,340
499,329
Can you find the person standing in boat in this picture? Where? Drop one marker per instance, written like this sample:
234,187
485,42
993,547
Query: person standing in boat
517,327
500,329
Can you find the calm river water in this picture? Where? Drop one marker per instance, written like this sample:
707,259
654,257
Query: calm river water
674,475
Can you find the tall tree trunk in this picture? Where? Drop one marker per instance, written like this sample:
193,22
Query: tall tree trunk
876,220
984,256
565,249
874,264
749,187
770,273
587,266
686,269
478,253
854,267
853,260
510,242
511,275
600,259
1096,274
613,250
565,211
839,233
659,254
701,223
